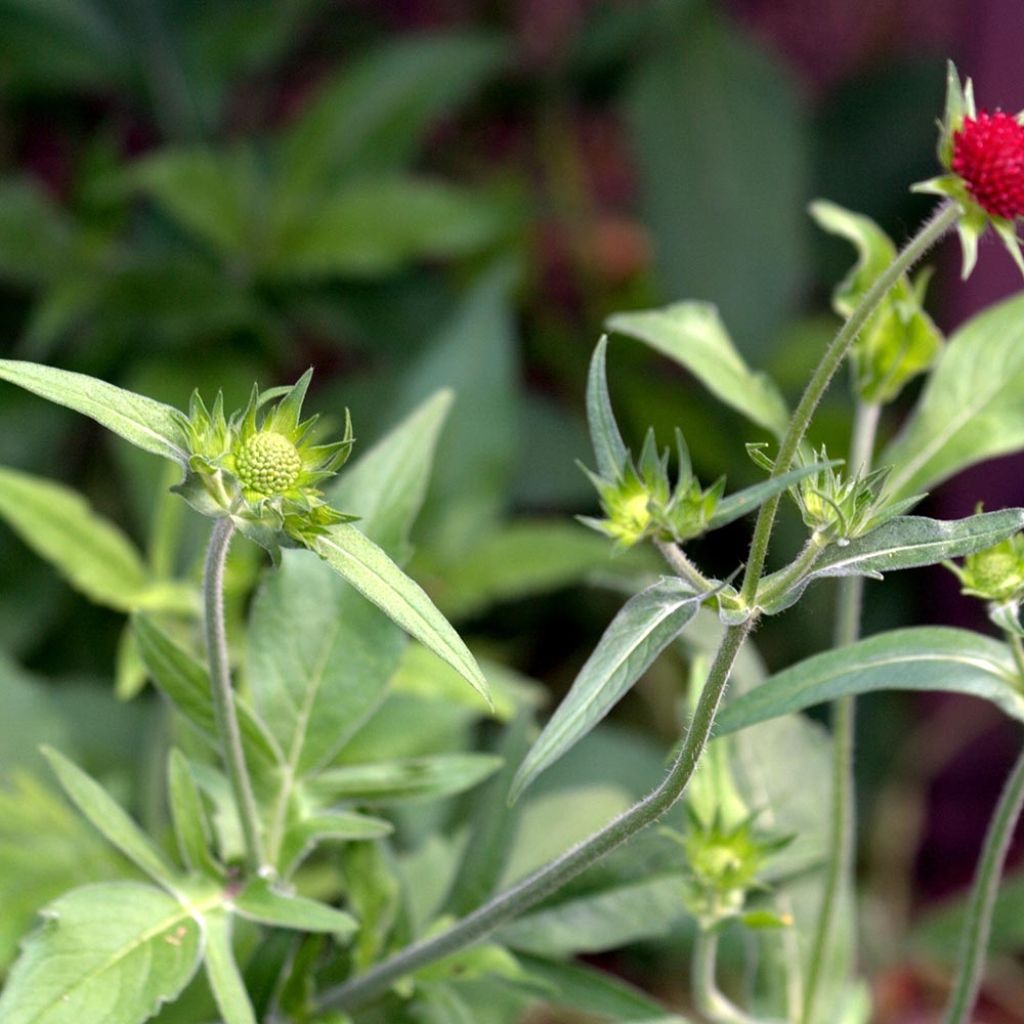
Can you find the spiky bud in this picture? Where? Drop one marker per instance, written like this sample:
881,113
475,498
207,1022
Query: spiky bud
988,154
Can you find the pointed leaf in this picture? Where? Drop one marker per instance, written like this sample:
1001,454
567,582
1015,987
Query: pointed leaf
110,819
905,542
335,826
416,778
368,568
923,658
112,952
692,334
609,448
970,408
186,683
222,972
319,655
189,817
388,483
645,626
149,425
90,552
729,509
259,901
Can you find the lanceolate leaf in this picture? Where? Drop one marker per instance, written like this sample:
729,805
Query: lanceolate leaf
411,779
970,409
111,952
905,542
319,655
189,817
111,820
924,658
186,683
646,625
149,425
222,971
692,334
729,509
609,448
92,553
366,566
259,901
338,826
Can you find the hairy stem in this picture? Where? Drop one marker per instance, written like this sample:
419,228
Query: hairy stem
223,698
682,566
931,232
842,824
974,941
552,876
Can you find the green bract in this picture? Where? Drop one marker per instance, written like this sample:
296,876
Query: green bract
261,466
638,501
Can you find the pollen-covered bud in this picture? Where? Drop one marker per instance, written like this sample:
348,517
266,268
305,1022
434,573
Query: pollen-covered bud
988,153
268,463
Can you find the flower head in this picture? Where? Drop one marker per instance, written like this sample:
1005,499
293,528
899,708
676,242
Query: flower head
994,574
984,153
262,466
988,154
640,502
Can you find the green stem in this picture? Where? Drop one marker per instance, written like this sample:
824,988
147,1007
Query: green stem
710,1001
1017,647
223,696
552,876
795,571
930,233
842,824
974,941
682,566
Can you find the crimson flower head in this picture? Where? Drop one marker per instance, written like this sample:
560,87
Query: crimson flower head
984,154
988,154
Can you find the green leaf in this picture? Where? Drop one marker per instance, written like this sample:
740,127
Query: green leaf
319,655
593,991
474,352
520,559
375,114
149,425
970,408
906,542
691,334
222,972
186,683
189,817
372,228
609,448
729,509
643,628
112,952
592,923
921,658
719,136
387,485
302,837
259,901
368,568
213,195
90,552
110,819
492,826
46,848
418,778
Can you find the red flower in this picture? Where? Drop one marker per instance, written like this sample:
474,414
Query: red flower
988,154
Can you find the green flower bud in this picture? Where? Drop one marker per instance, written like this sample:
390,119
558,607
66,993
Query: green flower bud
995,574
